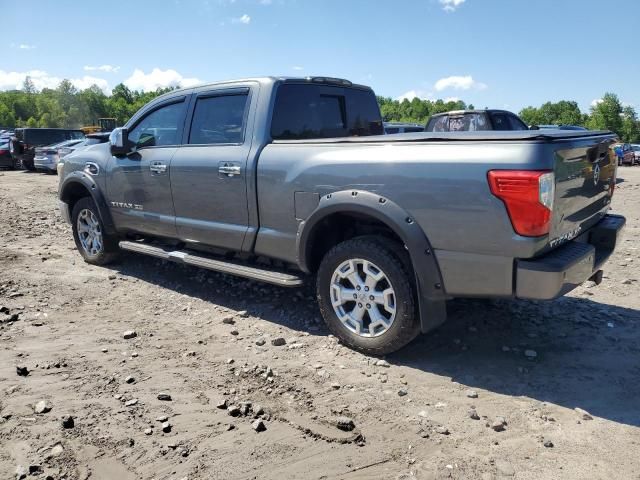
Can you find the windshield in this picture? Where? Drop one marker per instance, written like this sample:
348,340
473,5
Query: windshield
473,121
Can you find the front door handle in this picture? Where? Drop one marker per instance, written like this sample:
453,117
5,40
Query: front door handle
229,169
158,167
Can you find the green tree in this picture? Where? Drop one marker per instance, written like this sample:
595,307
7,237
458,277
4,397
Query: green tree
630,130
563,112
6,117
606,114
28,86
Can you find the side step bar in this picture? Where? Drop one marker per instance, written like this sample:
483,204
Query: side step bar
178,256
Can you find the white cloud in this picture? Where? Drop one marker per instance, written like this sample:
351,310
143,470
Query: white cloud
451,5
87,81
244,19
102,68
158,79
411,94
22,46
41,79
451,99
458,82
297,68
596,101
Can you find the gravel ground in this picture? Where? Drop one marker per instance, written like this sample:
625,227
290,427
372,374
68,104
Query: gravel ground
206,390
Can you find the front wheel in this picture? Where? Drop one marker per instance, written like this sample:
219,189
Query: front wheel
366,295
94,244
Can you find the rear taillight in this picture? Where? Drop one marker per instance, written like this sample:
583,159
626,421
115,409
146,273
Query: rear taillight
528,196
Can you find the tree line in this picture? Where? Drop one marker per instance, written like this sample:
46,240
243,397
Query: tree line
68,107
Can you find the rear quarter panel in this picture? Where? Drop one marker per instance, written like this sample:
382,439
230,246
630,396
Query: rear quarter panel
443,186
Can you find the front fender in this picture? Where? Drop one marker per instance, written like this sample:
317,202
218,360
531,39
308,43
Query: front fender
80,179
428,280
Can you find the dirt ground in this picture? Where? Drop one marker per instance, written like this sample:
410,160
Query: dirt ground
198,337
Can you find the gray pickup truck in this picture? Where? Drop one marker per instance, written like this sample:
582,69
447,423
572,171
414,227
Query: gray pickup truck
280,179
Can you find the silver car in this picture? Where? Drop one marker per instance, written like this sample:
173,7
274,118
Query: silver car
46,158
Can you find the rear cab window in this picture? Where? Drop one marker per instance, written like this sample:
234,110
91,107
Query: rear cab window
305,111
466,122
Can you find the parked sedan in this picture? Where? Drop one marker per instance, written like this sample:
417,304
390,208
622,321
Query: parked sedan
46,158
396,127
636,153
6,160
91,139
625,154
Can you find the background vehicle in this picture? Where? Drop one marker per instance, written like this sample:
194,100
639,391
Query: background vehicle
475,120
46,158
628,155
636,153
6,160
104,125
396,127
91,139
27,139
275,178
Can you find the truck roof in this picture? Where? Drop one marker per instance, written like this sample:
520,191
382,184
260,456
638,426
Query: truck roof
325,80
477,110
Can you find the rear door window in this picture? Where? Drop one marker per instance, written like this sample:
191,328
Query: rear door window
304,111
517,124
218,119
501,121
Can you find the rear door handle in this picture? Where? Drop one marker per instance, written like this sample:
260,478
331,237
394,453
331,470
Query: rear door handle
229,169
158,167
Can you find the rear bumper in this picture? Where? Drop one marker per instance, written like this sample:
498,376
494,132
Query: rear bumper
561,270
45,163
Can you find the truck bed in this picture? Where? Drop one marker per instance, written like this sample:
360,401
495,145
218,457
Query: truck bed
488,135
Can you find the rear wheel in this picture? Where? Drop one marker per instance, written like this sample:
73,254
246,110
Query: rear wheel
94,244
366,295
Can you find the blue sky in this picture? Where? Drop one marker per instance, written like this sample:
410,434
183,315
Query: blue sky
492,53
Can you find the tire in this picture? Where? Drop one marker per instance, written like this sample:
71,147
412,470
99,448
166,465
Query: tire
106,249
377,254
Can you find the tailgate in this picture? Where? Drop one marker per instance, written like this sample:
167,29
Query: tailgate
585,171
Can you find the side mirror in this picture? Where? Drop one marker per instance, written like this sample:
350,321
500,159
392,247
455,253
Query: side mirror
534,127
119,140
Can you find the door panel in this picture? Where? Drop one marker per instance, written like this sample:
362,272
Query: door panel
140,192
208,175
138,185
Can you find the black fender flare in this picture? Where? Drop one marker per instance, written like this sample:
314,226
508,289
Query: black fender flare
428,279
88,182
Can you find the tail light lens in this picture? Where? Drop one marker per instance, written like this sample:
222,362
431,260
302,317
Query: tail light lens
528,196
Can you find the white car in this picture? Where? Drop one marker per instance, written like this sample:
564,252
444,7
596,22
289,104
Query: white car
636,152
91,139
46,158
